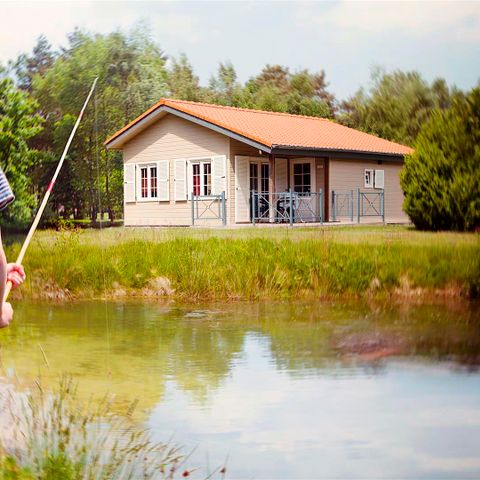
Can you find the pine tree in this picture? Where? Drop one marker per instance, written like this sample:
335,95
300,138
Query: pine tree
441,179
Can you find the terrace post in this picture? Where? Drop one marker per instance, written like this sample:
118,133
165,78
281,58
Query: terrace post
253,207
383,205
358,205
271,188
351,206
333,205
290,198
224,209
193,209
320,204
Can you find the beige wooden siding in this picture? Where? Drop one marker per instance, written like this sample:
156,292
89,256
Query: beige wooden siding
168,139
346,175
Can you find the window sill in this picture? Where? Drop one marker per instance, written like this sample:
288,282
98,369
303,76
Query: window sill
150,200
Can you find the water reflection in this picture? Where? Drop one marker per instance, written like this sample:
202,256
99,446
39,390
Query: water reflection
134,349
290,390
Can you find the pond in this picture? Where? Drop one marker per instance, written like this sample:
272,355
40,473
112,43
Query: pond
281,390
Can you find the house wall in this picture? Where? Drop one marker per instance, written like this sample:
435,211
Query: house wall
346,175
169,139
174,138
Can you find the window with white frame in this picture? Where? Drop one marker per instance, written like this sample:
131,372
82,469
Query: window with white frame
148,181
265,177
368,178
302,178
202,178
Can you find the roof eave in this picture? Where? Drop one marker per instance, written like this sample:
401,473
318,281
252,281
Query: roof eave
335,152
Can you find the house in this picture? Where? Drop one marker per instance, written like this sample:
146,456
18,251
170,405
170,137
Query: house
188,162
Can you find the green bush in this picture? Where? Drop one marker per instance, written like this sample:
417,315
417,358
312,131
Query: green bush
441,179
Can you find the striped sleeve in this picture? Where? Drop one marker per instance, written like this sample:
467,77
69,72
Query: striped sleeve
6,194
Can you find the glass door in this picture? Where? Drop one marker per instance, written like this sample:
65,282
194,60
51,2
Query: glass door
259,183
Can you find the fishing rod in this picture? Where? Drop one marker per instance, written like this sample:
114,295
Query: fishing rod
39,214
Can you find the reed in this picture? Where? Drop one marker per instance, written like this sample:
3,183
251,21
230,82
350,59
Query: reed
53,435
266,263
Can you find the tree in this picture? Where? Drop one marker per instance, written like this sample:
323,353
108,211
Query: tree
441,179
277,89
132,76
18,124
223,87
183,84
26,67
396,105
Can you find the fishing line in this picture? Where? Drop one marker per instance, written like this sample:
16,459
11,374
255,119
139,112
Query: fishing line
102,239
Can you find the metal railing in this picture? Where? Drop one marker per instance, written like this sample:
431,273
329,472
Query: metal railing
209,207
342,205
367,204
286,207
370,204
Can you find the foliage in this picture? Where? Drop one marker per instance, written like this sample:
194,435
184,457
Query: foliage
396,106
441,179
183,84
19,122
274,89
27,67
132,76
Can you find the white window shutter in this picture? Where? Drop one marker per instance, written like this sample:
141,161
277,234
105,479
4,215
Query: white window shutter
163,180
242,189
180,179
129,182
219,175
189,182
380,179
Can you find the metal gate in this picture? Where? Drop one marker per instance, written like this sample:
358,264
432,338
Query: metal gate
370,204
342,205
209,207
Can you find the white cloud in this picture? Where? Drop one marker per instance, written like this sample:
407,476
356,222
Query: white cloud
343,38
460,19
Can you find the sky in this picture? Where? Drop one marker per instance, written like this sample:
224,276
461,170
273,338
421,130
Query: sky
347,39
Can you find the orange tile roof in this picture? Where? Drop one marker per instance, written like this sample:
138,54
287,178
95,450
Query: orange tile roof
274,129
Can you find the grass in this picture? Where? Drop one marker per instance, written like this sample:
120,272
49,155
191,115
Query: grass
251,263
53,436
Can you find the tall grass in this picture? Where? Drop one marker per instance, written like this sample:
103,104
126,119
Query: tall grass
251,267
53,436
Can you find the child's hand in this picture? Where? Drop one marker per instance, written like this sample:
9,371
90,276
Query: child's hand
6,315
15,274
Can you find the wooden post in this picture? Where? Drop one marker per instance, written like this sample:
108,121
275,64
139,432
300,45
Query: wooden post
326,182
271,188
